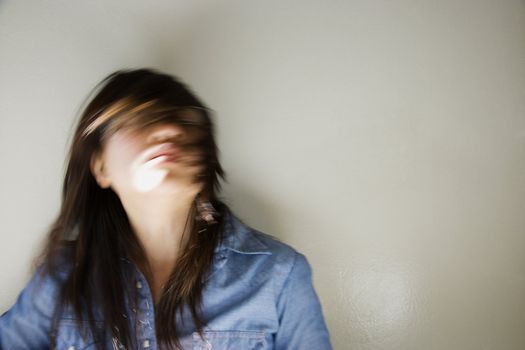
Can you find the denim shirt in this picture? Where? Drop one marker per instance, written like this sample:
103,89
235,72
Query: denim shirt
257,295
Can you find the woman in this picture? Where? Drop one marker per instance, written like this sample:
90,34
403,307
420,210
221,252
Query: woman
143,254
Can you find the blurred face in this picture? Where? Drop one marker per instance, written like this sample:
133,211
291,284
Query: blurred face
160,158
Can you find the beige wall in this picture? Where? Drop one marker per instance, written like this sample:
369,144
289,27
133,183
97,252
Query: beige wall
384,139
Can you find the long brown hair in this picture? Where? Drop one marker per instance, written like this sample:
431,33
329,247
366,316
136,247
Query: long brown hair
92,234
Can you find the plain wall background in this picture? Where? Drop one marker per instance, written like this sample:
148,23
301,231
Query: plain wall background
383,139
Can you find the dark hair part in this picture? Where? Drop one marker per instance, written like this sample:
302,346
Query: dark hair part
92,234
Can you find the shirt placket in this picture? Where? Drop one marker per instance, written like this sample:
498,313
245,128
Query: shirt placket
144,313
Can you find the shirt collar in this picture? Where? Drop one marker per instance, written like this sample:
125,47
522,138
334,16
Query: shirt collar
240,238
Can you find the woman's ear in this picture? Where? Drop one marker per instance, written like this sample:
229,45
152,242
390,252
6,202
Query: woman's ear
99,172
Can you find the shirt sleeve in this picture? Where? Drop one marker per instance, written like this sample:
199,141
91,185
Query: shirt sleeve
26,325
301,322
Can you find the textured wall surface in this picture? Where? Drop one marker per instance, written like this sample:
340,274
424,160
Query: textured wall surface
383,139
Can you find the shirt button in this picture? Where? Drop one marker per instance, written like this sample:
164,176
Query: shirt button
146,343
139,285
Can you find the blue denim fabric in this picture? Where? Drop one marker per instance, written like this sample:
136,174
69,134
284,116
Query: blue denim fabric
258,295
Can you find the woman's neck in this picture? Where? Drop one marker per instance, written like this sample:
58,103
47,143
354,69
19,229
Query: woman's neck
162,226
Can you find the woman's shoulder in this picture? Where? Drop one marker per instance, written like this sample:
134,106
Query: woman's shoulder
265,286
43,288
49,275
256,245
